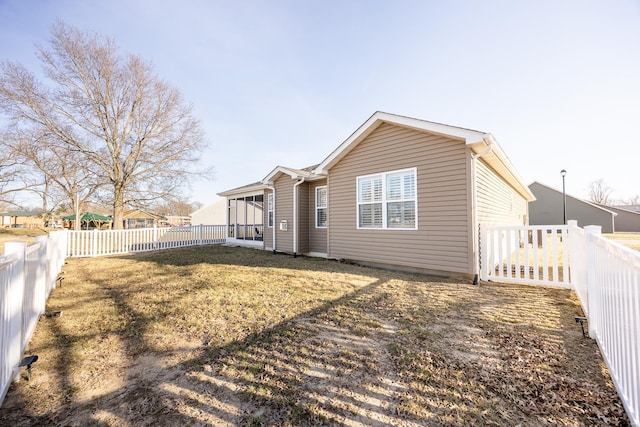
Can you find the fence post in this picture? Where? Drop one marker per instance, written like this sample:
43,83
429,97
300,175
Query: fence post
15,297
42,273
593,288
483,246
200,239
569,246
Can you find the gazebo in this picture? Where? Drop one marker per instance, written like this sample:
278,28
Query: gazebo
89,218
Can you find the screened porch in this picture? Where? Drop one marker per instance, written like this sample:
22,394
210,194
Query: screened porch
245,218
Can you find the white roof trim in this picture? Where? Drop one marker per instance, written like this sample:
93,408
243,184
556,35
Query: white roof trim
379,117
294,174
477,141
245,190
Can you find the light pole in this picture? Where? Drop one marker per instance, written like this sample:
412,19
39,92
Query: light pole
564,198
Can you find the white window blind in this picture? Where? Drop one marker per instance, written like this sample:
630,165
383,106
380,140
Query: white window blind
395,207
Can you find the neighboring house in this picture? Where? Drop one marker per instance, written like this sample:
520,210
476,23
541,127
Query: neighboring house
22,219
400,193
176,220
215,213
625,220
632,208
547,209
138,218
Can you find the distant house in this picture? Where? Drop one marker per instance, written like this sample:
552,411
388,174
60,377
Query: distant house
547,209
215,213
138,218
625,220
400,192
176,220
22,219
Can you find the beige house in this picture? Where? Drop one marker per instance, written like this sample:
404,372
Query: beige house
399,193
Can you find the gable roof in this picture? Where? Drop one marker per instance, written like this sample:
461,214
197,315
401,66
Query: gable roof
594,205
140,213
307,172
479,142
22,213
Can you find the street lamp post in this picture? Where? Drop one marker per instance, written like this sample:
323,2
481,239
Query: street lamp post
564,198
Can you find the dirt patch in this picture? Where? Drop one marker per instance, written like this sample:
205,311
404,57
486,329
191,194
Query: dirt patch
232,336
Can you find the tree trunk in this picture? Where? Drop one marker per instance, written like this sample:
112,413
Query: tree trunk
118,206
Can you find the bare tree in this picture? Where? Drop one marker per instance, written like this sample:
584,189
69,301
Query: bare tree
635,200
134,130
600,193
175,206
67,174
14,177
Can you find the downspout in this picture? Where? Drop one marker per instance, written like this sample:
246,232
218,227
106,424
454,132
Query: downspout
474,215
295,217
273,225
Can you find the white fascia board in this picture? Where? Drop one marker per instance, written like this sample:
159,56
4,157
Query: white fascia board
466,135
243,191
277,171
497,159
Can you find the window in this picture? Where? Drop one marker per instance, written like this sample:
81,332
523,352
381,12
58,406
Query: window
387,200
270,210
321,207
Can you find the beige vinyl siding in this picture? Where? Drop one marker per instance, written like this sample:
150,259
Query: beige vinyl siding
497,202
317,236
267,233
303,218
284,211
441,241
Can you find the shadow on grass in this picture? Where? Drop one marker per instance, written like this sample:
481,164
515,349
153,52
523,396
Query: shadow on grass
398,349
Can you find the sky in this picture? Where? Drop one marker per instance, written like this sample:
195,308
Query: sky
274,82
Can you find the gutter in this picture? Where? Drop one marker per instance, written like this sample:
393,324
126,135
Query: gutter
295,217
474,205
273,226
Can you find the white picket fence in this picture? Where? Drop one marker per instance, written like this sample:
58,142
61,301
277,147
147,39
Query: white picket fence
604,274
606,277
532,254
114,242
27,276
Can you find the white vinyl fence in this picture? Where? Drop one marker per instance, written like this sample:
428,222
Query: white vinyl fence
606,277
604,274
525,254
113,242
27,276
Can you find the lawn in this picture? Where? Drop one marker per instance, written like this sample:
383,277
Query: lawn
19,234
231,336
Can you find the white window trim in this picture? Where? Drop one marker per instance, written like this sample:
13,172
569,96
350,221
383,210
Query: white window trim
270,211
326,208
384,200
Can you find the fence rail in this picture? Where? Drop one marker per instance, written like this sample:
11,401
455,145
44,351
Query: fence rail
115,242
27,276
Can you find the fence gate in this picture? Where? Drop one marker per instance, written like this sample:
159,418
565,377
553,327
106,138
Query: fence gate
525,254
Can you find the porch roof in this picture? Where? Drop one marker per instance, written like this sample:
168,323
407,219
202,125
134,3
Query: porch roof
249,188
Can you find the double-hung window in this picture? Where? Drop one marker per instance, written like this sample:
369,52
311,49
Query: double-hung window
270,210
388,200
321,207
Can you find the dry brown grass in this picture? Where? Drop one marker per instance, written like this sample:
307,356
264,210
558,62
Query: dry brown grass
19,235
630,240
230,336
